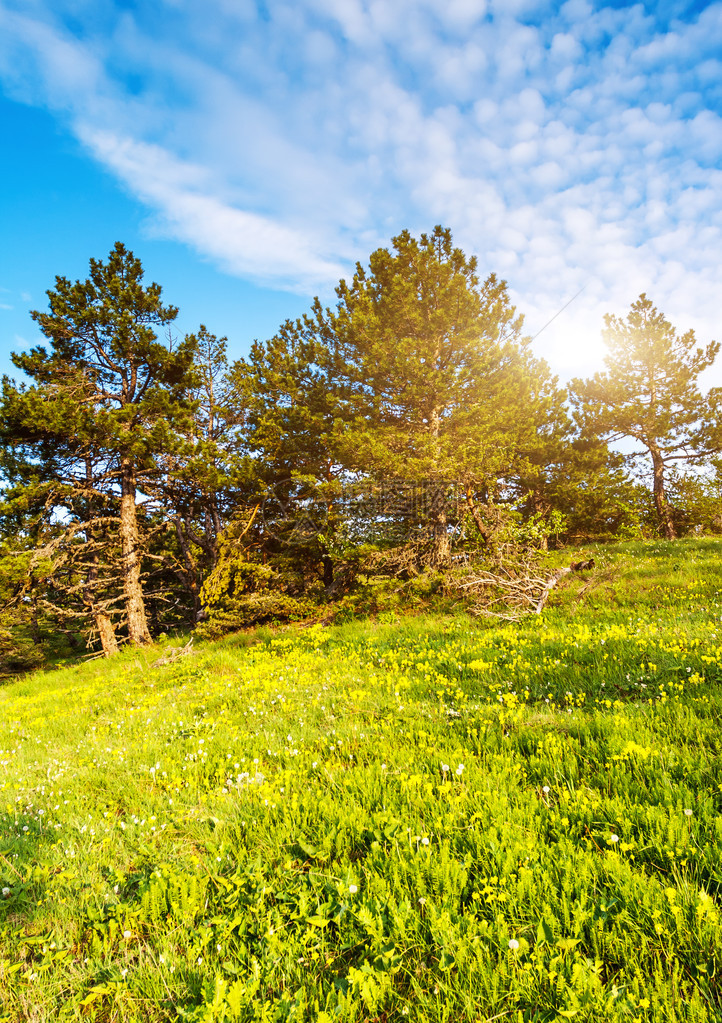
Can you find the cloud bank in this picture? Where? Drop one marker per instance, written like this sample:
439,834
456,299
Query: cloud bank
569,146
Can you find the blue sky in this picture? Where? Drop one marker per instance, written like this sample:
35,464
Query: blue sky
250,152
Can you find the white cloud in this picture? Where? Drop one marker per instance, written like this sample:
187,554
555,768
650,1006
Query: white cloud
42,65
564,144
243,243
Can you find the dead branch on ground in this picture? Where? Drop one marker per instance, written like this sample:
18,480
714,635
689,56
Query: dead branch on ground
511,592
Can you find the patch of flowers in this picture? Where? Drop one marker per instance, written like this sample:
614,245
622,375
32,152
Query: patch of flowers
338,824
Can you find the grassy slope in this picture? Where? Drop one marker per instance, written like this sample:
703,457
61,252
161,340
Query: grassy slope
434,819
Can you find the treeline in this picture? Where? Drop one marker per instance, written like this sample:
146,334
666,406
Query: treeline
407,432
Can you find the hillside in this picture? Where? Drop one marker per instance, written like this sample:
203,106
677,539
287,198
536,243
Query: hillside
427,818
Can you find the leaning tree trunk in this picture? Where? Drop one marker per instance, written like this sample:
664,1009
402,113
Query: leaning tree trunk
664,512
106,633
103,621
138,632
484,531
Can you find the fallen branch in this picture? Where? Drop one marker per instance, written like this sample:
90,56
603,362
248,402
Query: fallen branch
514,592
576,566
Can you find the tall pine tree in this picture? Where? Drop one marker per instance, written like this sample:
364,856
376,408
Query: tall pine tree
432,383
650,394
110,396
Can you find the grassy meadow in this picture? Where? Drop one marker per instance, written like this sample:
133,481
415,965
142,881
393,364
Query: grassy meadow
429,818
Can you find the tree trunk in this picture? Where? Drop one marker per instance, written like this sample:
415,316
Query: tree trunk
327,571
330,528
103,622
476,516
660,498
190,576
441,542
214,528
138,633
541,508
441,549
106,633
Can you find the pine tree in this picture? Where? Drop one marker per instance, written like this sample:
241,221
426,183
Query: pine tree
104,400
293,420
199,488
650,393
432,384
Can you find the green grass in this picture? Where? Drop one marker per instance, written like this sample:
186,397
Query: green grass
432,818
